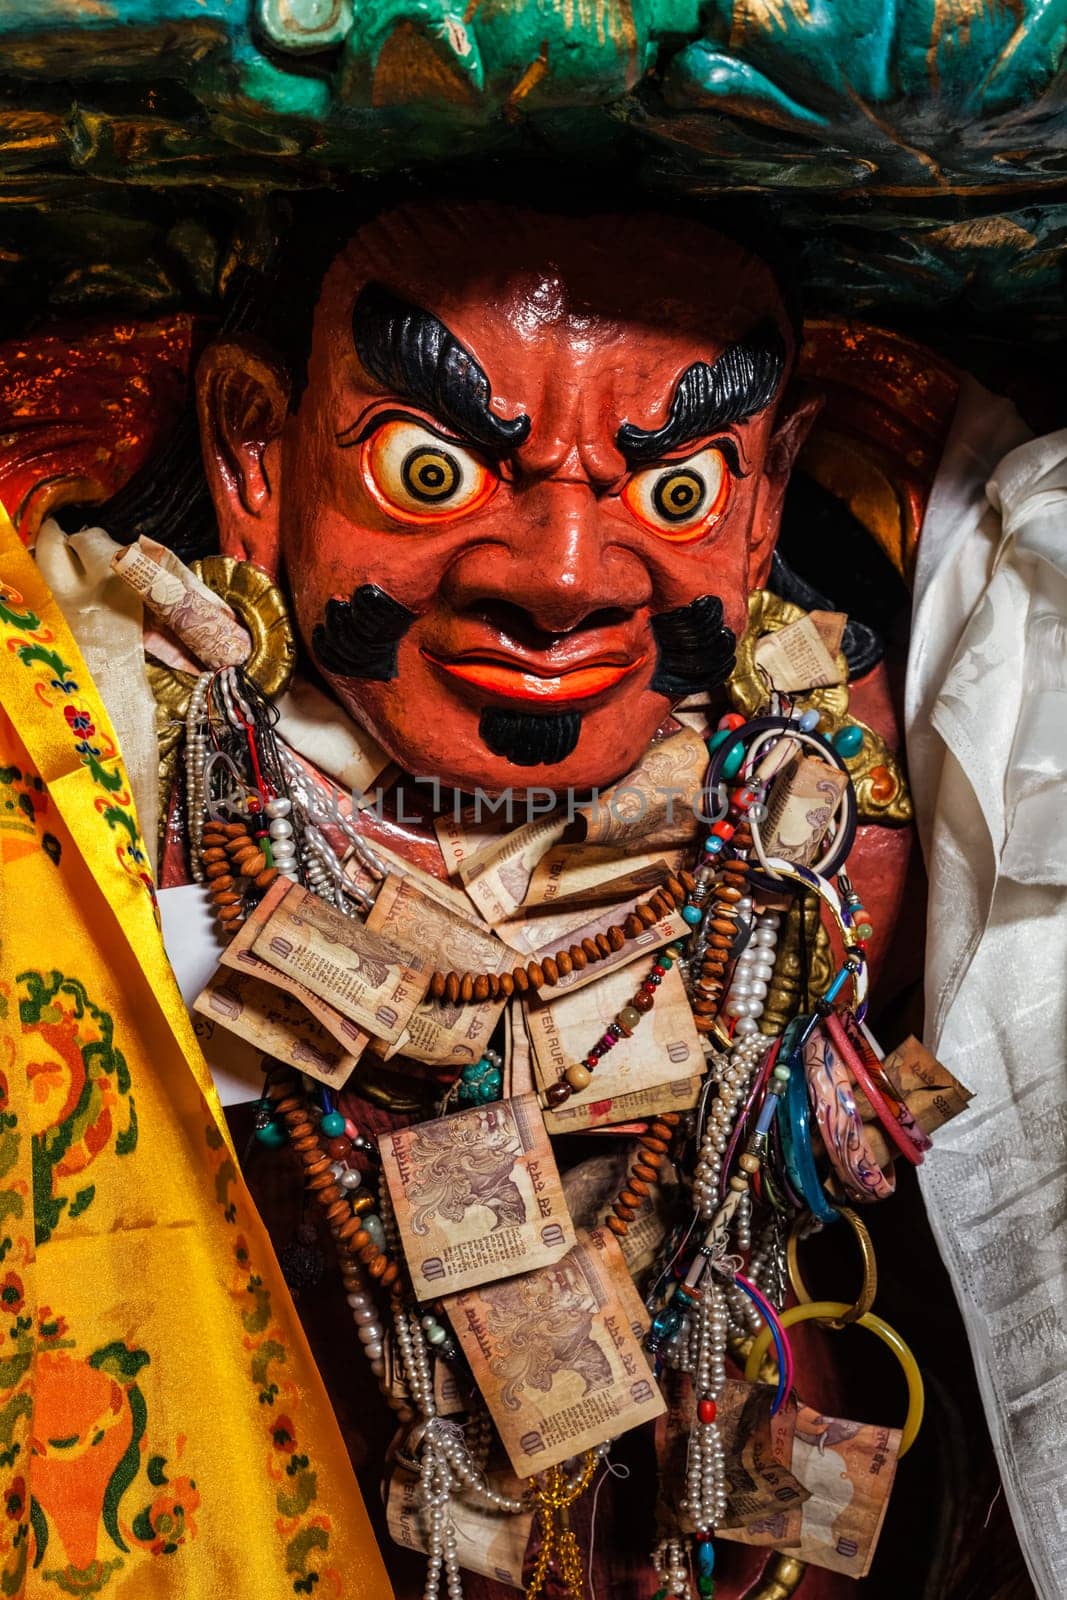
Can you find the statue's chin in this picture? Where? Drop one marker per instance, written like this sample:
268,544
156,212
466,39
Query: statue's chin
475,748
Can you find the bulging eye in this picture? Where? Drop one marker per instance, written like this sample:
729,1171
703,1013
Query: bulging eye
682,499
417,476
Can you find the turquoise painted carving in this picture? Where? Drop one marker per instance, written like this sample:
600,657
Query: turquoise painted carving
918,148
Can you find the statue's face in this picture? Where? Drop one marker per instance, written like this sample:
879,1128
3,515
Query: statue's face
523,442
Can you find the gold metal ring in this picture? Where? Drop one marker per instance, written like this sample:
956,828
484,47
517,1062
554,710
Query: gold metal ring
865,1299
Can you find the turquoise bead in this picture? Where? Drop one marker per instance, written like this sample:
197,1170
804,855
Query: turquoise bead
332,1124
665,961
693,915
705,1559
665,1323
717,739
734,758
472,1072
272,1134
848,741
487,1092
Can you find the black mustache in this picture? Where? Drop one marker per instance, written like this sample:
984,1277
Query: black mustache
694,650
530,739
358,638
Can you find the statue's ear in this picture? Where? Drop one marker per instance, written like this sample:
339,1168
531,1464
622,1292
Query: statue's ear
792,426
242,396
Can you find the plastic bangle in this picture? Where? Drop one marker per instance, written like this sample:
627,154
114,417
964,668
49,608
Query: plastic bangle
892,1112
777,1333
845,815
865,1298
827,1311
844,1136
832,901
793,1117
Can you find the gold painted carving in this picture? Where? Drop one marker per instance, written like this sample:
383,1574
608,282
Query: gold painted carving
881,788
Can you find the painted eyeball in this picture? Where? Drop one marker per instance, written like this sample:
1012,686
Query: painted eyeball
419,476
681,500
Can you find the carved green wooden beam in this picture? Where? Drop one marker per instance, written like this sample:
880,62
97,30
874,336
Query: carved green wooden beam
918,148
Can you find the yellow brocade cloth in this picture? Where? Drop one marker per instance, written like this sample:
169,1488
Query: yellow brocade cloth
163,1429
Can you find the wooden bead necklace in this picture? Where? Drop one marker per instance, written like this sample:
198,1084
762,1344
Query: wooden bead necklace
468,988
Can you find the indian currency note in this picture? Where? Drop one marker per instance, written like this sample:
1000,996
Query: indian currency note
932,1093
477,1196
462,833
204,624
848,1469
800,808
370,980
763,1497
437,1031
590,1187
664,1048
830,626
238,957
795,657
490,1543
497,876
557,1356
278,1024
671,926
655,805
571,876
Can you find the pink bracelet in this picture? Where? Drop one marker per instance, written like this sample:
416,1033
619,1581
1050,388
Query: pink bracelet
900,1125
839,1122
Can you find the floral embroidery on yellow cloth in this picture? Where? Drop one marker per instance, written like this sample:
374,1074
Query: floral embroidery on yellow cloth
164,1434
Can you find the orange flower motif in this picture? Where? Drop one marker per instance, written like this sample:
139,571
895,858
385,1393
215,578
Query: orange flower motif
283,1434
12,1294
50,1326
165,1525
15,1500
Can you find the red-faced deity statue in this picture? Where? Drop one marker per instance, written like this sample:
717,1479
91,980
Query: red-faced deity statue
536,467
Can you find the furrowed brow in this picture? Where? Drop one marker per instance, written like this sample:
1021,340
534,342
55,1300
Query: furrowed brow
742,382
413,354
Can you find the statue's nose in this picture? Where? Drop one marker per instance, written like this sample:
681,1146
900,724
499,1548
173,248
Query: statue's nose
554,563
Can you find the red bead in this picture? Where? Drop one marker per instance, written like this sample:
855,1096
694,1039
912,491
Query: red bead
658,971
643,1001
556,1093
724,830
742,798
732,720
338,1148
707,1410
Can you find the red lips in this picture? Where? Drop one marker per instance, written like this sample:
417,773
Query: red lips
513,678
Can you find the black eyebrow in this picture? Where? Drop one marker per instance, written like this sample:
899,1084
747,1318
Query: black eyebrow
741,382
413,354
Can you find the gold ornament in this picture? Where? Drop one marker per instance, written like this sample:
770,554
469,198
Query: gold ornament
882,793
260,606
559,1546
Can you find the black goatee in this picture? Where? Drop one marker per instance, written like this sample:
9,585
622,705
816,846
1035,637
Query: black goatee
529,739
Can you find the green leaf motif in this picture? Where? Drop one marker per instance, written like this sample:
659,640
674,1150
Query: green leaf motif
120,1361
300,1547
127,1468
82,1201
295,1500
40,1531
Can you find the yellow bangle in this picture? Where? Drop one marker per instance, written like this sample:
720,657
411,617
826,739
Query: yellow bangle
826,1311
865,1298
